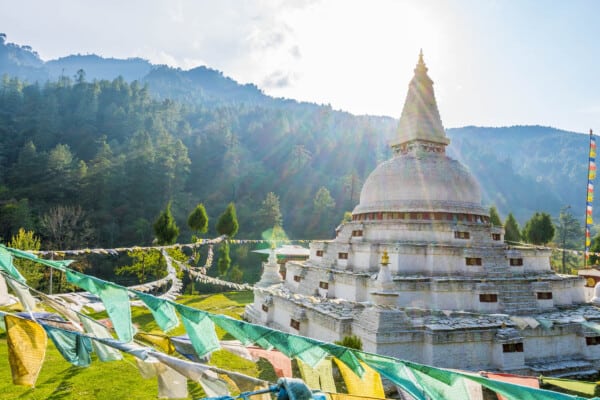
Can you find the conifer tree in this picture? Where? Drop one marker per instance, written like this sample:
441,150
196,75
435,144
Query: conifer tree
165,228
198,220
269,214
512,231
228,223
595,249
495,217
539,229
224,261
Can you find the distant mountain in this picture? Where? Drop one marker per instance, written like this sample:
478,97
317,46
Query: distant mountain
99,68
521,169
525,168
21,61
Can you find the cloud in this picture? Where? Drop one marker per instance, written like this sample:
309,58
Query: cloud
295,52
277,80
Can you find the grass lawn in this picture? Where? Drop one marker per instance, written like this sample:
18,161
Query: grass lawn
121,379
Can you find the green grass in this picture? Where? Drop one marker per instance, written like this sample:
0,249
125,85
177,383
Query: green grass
121,379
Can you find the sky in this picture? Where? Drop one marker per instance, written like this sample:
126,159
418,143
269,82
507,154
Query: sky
493,62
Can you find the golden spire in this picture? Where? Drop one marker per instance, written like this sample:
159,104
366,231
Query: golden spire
421,68
420,119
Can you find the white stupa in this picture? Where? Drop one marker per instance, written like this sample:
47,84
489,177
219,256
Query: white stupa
449,292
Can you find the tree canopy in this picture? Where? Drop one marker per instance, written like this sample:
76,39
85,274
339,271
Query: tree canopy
495,217
165,227
512,231
198,220
539,229
228,223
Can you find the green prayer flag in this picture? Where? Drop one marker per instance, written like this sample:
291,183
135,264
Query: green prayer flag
7,266
244,332
508,390
114,297
393,370
74,347
437,389
310,351
545,323
162,310
200,330
59,264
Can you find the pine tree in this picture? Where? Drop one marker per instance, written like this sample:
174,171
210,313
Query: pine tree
228,223
270,213
539,229
198,220
224,261
512,231
236,274
165,228
595,249
495,217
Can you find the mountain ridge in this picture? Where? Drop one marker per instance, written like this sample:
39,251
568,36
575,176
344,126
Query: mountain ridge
522,169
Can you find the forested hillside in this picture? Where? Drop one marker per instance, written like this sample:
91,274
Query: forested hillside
114,151
109,148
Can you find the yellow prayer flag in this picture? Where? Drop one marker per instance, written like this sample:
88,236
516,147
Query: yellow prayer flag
588,388
321,377
26,342
162,342
370,385
589,220
590,197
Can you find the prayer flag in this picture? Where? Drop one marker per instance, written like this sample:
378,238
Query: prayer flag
104,352
162,310
200,329
74,347
321,377
26,342
586,388
210,382
7,266
162,342
369,385
115,299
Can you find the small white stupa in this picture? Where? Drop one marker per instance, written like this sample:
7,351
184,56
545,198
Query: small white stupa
270,275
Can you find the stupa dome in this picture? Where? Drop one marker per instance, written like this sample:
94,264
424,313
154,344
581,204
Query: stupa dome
420,177
420,182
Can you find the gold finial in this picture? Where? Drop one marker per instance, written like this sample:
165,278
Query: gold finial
385,259
421,68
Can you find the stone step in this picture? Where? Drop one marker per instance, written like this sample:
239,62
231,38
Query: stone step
563,368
